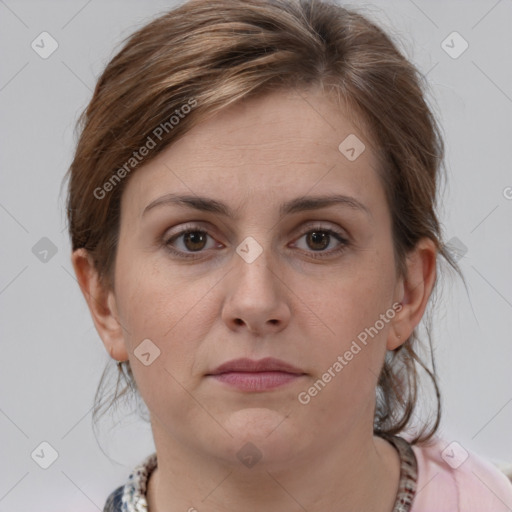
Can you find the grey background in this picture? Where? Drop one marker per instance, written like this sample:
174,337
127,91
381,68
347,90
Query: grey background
52,357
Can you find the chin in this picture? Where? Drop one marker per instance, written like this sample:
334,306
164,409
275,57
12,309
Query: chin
262,434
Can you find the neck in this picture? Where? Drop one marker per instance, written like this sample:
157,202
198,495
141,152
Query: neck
354,475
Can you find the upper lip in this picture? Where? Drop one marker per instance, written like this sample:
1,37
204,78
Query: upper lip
267,364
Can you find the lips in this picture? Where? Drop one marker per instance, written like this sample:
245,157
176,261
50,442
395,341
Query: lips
252,376
268,364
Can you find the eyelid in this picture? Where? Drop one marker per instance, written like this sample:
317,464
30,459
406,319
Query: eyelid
341,237
187,228
305,228
315,224
194,225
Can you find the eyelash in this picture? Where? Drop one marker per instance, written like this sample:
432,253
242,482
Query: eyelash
316,255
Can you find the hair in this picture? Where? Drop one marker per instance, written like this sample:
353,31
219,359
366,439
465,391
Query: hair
203,55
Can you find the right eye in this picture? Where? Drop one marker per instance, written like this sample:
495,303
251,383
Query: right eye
188,241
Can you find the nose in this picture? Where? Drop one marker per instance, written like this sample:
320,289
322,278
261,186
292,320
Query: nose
256,297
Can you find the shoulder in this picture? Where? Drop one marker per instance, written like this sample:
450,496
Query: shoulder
452,478
113,503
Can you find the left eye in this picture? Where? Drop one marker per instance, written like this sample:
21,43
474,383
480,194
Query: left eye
319,239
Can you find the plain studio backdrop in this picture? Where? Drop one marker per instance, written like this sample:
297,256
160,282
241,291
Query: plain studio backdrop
51,355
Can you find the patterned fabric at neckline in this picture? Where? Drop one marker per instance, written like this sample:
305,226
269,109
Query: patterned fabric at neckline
133,498
408,474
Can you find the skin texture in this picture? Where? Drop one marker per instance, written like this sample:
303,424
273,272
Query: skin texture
215,306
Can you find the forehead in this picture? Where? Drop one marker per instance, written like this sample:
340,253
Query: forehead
286,143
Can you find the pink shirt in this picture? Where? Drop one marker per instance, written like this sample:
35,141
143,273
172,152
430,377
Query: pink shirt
452,479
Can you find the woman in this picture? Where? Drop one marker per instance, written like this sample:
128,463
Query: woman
252,213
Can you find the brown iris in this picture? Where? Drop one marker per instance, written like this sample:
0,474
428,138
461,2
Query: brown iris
195,240
318,237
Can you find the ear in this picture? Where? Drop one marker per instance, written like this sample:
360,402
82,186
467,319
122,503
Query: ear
414,290
102,305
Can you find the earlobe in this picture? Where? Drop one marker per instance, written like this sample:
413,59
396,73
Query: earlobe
396,338
415,290
101,303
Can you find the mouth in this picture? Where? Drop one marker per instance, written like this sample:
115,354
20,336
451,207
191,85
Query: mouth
251,375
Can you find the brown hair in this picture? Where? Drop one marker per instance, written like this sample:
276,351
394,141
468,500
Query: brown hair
208,54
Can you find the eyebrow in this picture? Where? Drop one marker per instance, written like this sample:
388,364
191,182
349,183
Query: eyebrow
299,204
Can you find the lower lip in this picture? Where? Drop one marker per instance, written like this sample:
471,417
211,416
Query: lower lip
256,381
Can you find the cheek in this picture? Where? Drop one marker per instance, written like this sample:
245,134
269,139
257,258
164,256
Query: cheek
162,333
352,296
168,308
153,299
353,311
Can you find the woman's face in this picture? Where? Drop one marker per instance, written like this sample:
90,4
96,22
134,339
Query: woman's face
264,274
